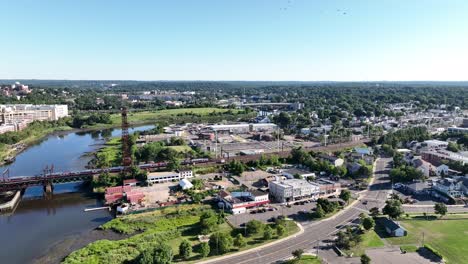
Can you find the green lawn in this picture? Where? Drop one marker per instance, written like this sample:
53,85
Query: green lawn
183,148
448,235
305,259
369,240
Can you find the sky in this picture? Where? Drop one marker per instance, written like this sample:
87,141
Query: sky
310,40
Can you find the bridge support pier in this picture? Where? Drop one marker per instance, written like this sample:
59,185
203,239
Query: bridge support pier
48,188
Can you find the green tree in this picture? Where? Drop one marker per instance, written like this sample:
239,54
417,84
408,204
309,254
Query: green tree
185,249
280,230
374,211
368,223
239,241
254,227
163,254
204,249
146,257
453,147
208,222
298,253
319,212
440,208
220,243
365,259
345,195
267,232
236,167
393,208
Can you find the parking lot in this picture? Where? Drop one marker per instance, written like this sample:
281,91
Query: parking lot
295,212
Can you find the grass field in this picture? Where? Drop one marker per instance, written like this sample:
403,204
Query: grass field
305,259
448,235
183,148
178,115
369,240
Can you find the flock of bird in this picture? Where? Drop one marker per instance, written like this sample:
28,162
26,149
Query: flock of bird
290,3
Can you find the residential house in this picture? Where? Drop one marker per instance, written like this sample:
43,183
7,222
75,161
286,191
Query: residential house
393,228
449,187
335,161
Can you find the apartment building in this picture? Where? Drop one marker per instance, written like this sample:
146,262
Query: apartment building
18,113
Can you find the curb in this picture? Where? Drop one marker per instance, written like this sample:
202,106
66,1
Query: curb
301,231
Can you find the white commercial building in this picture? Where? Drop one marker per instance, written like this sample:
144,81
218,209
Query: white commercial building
17,113
166,176
238,202
293,189
245,127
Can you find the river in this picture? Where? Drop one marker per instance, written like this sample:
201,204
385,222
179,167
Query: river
38,225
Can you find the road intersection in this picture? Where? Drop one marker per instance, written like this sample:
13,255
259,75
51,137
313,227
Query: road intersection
315,232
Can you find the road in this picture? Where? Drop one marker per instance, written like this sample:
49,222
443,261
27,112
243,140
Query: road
316,231
451,209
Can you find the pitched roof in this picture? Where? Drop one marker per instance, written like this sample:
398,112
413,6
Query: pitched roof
390,224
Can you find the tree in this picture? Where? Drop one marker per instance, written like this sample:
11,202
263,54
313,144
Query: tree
236,167
298,253
365,259
163,254
204,249
453,147
280,230
239,241
374,211
208,222
146,257
267,233
185,249
368,223
254,227
345,195
440,208
393,208
220,243
319,212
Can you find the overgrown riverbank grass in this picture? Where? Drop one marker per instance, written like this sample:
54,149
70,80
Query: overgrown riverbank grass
168,225
447,235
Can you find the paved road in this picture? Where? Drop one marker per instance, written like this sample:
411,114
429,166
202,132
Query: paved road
452,209
317,231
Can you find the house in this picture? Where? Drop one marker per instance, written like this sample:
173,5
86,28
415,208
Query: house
442,170
335,161
393,228
353,167
425,167
185,184
449,187
418,187
363,151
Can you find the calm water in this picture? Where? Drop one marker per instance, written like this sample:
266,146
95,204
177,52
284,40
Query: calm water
37,224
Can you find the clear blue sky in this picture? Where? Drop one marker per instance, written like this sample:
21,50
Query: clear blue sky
234,40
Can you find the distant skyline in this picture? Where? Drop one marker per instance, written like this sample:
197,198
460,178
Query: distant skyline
249,40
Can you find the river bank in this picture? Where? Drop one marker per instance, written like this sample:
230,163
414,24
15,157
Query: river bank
57,252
